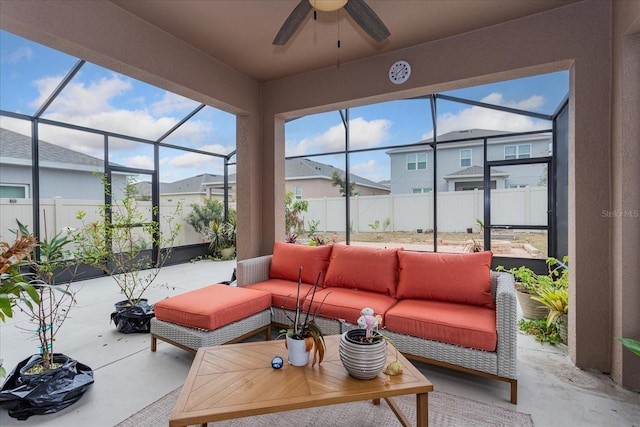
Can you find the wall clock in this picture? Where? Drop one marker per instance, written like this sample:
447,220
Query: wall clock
399,72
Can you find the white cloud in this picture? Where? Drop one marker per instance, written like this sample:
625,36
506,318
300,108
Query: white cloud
173,103
140,162
362,133
369,169
485,118
92,105
18,55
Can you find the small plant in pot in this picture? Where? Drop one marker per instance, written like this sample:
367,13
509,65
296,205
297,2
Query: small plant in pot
46,382
128,244
529,284
223,237
303,334
363,351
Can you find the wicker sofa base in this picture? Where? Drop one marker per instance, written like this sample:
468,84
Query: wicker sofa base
191,339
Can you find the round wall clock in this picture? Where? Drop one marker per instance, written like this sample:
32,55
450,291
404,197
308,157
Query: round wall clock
399,72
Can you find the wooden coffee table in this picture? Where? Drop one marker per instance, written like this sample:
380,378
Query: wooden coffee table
237,380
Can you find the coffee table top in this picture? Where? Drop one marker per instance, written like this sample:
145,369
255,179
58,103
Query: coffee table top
237,380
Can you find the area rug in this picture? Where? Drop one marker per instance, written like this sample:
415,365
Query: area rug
445,410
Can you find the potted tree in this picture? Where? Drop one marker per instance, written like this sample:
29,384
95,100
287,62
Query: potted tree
46,382
120,244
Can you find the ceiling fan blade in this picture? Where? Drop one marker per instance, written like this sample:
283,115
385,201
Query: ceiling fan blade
367,19
292,23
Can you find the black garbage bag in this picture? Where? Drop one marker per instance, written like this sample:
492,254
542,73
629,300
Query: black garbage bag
131,319
232,281
44,393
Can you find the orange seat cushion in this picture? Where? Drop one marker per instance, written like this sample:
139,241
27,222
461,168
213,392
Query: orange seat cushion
283,292
342,303
213,306
459,324
289,257
364,268
460,278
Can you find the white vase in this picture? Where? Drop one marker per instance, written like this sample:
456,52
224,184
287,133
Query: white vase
297,351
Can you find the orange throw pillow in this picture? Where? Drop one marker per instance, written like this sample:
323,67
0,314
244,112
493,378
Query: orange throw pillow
461,278
289,257
364,268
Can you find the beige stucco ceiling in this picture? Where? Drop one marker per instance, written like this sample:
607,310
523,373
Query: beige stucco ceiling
239,33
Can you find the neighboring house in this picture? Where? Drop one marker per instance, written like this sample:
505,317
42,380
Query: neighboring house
63,172
305,178
309,179
461,164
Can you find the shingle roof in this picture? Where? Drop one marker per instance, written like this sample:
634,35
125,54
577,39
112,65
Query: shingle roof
306,168
475,170
18,146
452,136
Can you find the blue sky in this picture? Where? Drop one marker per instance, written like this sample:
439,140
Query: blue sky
106,100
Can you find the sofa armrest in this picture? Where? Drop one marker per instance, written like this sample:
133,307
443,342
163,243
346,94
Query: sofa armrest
253,270
506,324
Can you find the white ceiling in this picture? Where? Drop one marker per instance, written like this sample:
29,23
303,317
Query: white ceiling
239,33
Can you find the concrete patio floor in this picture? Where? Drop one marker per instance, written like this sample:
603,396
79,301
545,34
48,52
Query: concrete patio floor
128,376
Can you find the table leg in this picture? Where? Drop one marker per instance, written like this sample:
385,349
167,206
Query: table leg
422,410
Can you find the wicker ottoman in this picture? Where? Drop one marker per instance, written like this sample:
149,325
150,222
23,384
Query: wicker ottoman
213,315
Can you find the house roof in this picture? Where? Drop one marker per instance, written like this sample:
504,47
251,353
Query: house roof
474,171
15,145
464,135
302,168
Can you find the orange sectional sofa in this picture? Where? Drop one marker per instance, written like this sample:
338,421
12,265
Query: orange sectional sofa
445,309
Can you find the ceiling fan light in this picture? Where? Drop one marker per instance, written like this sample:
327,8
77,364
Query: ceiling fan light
327,5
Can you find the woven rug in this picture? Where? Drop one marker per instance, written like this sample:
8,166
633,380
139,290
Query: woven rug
444,410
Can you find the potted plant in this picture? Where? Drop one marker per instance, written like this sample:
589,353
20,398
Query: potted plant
304,335
529,284
120,244
13,285
554,294
223,237
363,351
46,382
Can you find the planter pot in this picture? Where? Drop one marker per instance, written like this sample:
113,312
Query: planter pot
131,319
531,309
47,392
297,352
363,361
227,252
563,324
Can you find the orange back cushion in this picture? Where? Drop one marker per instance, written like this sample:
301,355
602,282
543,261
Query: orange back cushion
461,278
288,258
364,268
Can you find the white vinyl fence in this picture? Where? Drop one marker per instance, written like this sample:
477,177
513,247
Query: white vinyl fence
58,213
457,210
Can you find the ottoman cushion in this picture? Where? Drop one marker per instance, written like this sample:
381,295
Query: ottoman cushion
213,306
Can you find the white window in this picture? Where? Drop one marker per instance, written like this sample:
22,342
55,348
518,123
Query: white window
522,151
13,191
416,161
465,158
421,190
298,191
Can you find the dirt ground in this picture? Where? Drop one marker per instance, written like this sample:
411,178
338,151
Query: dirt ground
512,244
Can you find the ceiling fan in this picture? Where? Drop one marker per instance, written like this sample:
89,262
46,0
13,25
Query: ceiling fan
357,9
